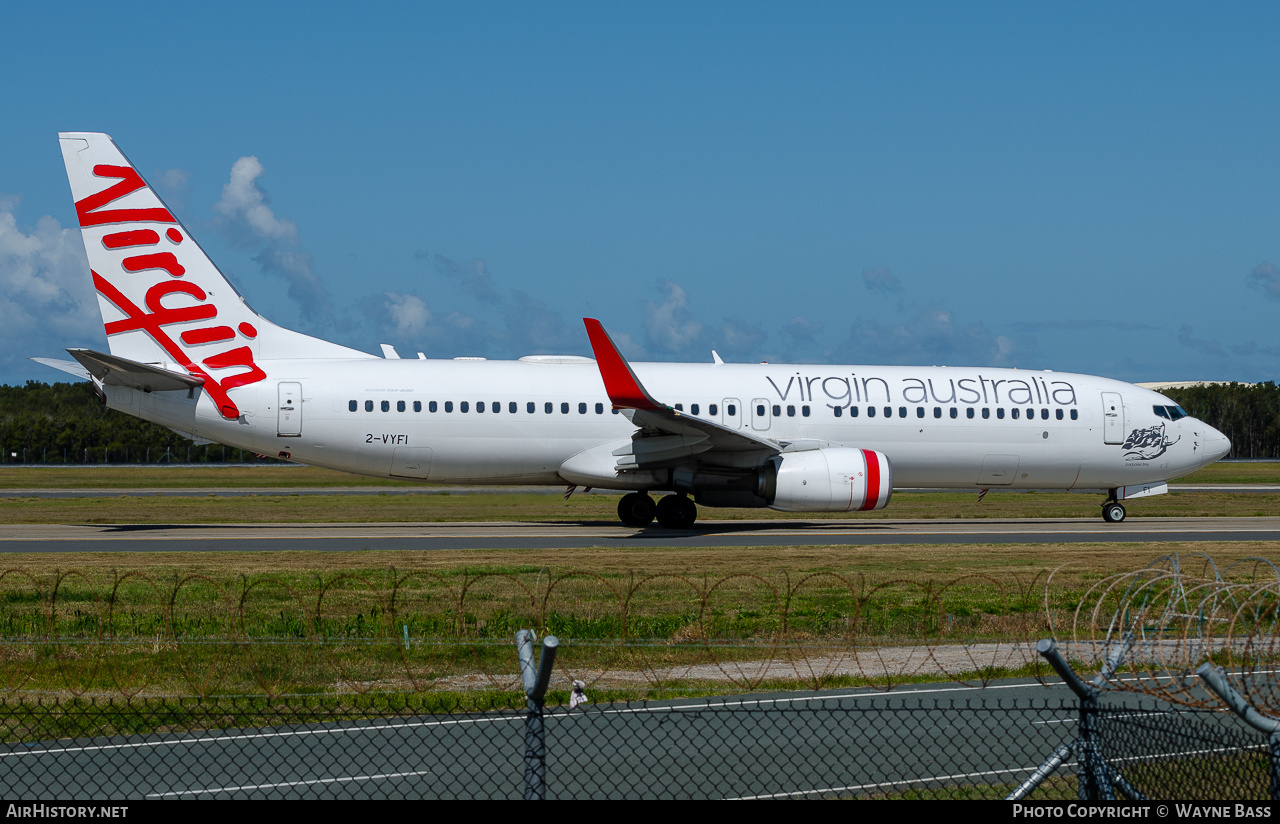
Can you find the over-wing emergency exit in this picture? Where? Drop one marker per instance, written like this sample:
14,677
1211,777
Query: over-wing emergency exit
187,352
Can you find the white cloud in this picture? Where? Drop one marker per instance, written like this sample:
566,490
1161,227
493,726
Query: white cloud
881,279
408,314
249,222
669,326
243,200
1266,276
47,302
930,338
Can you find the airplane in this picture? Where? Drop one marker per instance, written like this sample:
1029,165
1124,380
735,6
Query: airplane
187,352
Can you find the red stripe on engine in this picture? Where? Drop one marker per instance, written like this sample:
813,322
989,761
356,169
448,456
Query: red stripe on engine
873,480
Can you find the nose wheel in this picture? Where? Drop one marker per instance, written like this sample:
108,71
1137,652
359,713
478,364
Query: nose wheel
1113,512
677,512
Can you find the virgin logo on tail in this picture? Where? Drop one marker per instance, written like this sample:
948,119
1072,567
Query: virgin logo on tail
155,315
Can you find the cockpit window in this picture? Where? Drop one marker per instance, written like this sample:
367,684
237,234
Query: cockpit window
1160,411
1176,412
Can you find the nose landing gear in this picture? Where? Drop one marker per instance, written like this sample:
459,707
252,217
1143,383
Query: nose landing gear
1113,511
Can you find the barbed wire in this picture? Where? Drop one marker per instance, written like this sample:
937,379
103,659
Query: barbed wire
134,634
1177,613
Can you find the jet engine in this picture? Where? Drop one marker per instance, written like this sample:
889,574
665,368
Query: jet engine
837,479
832,479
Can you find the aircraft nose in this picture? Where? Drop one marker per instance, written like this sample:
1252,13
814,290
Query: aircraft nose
1216,445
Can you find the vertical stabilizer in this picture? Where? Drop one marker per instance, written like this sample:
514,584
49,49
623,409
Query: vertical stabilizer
163,301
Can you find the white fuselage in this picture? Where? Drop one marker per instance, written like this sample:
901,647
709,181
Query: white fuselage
940,426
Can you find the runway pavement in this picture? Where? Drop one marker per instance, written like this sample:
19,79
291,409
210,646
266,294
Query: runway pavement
827,744
710,533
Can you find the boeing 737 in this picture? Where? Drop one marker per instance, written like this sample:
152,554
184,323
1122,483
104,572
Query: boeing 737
187,352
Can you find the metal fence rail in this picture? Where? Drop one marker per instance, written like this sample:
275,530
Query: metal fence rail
776,747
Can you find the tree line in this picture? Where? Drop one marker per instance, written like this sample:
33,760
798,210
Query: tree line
1247,413
65,423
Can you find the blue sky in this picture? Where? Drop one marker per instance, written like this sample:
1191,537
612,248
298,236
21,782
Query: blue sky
1082,187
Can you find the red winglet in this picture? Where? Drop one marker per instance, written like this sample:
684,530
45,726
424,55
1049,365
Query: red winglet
624,388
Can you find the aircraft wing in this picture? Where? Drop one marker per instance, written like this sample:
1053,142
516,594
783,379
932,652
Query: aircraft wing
70,367
666,434
114,370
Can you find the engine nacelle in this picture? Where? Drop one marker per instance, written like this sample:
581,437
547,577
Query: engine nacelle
836,479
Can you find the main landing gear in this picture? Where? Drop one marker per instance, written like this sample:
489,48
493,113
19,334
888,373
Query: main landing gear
1113,511
673,511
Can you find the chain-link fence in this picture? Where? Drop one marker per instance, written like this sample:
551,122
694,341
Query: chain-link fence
860,744
387,685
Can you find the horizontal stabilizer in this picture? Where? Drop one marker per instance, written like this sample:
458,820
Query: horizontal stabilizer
70,367
113,370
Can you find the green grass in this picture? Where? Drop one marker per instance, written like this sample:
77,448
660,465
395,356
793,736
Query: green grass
283,476
317,622
388,507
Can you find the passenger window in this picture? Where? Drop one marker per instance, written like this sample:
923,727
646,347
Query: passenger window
1074,414
777,411
1044,414
1058,414
399,406
853,411
838,410
871,411
463,406
731,409
902,412
888,411
582,408
353,405
417,406
368,406
955,413
759,410
937,411
919,411
599,409
564,408
711,409
448,406
1000,412
693,408
679,407
804,411
968,412
1014,412
496,406
791,411
432,406
531,407
514,407
1031,414
986,413
479,406
386,406
548,407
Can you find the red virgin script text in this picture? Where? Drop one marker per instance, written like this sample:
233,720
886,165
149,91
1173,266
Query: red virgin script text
157,315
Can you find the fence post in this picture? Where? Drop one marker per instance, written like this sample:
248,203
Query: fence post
1097,779
1217,681
535,691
